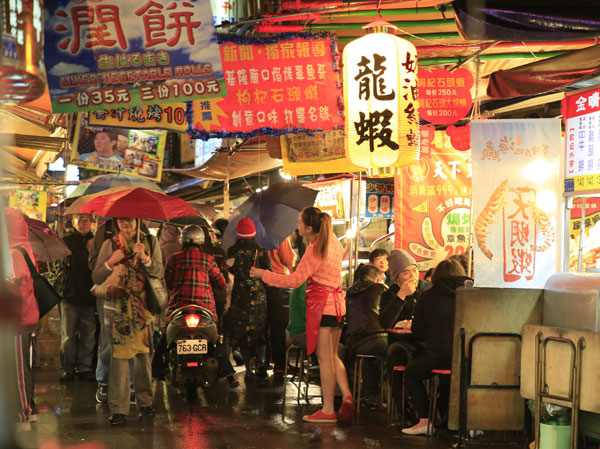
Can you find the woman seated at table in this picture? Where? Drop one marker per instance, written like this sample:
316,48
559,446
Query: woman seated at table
433,323
364,333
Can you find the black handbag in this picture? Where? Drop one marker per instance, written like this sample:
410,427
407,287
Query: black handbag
45,294
157,296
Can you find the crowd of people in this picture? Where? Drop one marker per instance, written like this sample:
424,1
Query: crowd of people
262,300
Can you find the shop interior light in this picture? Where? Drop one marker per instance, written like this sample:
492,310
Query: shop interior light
539,170
284,175
547,201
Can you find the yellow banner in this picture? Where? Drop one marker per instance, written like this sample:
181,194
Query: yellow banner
31,202
318,153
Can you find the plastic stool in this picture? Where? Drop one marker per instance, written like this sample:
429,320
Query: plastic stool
391,402
302,373
357,380
433,389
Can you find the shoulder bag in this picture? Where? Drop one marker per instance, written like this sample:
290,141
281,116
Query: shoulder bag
45,295
157,296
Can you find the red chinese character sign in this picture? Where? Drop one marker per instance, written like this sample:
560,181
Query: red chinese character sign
104,54
432,202
516,187
274,86
380,99
444,96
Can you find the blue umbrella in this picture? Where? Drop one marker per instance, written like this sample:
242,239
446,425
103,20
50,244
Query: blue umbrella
274,211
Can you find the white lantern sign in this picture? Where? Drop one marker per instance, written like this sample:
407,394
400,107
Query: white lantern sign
380,96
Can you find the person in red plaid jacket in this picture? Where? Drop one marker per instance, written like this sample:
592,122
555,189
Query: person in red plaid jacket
190,276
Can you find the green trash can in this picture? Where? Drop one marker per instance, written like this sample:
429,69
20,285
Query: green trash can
553,436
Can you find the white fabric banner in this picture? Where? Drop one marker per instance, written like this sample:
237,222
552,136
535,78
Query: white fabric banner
515,203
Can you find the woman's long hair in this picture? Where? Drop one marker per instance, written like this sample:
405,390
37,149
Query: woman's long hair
320,222
447,268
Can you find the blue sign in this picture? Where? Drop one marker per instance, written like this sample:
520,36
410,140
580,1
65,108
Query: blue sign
380,198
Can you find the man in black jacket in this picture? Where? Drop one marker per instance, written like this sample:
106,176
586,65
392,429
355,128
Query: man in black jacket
397,309
77,310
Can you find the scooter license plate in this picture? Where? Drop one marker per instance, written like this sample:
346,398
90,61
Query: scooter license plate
192,346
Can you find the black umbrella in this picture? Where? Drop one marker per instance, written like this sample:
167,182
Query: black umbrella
274,212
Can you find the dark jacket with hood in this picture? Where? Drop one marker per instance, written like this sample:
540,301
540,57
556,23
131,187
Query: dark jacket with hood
393,309
433,322
362,311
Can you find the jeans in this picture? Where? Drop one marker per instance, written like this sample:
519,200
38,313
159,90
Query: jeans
77,337
105,348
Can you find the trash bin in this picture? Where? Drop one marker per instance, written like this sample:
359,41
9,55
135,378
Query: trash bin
553,436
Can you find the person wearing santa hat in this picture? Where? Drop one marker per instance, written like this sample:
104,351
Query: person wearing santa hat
246,317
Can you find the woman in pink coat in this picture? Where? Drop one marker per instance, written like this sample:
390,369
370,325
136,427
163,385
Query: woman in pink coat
22,285
325,307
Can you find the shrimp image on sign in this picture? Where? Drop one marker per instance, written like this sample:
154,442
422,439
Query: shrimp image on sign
488,216
541,220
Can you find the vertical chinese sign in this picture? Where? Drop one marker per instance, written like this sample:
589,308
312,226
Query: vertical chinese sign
444,96
274,86
516,188
380,98
432,202
581,112
104,54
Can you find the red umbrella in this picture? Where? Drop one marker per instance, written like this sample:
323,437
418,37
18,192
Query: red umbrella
138,203
45,243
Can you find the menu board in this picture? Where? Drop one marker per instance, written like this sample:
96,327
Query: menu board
581,110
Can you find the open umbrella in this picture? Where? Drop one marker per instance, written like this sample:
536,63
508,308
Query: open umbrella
45,243
274,212
83,200
105,182
138,203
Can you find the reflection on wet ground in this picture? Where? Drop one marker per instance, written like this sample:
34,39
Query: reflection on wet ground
220,419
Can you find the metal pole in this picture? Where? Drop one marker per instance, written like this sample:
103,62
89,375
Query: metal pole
350,239
357,236
226,197
581,236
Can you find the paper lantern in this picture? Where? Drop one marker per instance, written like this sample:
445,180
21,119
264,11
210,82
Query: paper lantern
381,101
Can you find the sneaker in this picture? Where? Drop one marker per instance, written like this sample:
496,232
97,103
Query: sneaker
418,429
233,381
319,416
346,409
131,397
117,419
102,394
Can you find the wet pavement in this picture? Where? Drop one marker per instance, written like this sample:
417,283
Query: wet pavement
247,417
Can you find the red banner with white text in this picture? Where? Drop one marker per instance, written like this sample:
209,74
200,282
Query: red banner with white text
274,86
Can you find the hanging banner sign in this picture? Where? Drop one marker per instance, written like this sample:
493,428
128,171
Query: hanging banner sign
132,151
516,186
444,96
312,154
432,205
104,54
590,248
380,196
31,202
581,113
274,86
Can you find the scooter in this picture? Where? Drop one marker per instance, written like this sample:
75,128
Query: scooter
192,360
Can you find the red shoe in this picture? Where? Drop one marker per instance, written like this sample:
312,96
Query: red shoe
346,409
320,417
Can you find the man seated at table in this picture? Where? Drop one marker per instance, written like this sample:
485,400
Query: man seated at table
364,333
397,309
